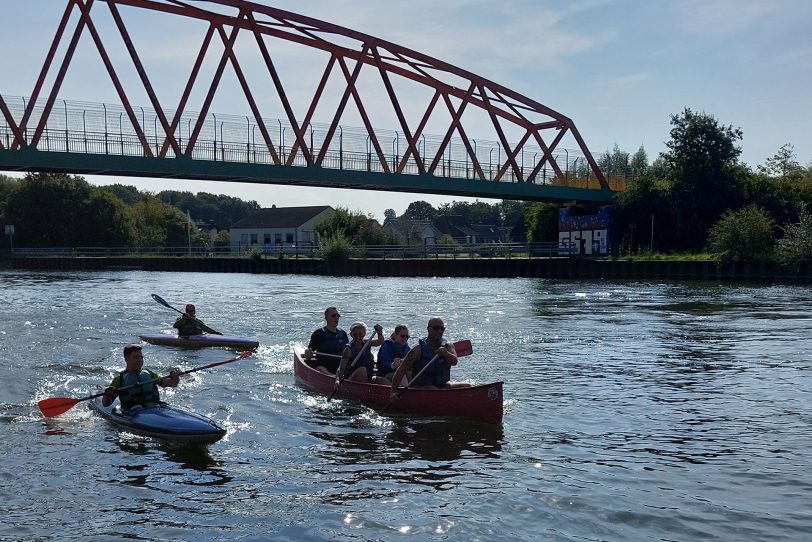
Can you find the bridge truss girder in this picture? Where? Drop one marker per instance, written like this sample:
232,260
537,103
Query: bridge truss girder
538,124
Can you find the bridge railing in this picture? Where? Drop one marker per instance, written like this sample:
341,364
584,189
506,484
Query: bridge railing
81,127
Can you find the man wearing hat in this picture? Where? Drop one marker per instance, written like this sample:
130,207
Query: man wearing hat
187,324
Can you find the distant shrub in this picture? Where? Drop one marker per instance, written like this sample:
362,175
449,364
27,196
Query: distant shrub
743,235
447,241
335,248
255,254
796,245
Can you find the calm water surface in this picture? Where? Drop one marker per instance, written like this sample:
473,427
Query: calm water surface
634,411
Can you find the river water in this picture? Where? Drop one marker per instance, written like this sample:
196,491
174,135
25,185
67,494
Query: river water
634,411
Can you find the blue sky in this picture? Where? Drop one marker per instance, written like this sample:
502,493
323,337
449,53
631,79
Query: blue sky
617,68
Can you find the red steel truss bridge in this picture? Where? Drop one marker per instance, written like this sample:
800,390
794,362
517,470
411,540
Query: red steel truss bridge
329,133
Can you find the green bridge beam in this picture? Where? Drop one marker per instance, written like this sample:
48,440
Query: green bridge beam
33,160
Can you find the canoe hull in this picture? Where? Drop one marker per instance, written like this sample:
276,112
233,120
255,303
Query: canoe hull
479,403
200,341
162,422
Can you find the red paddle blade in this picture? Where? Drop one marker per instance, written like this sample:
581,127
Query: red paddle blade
463,348
56,405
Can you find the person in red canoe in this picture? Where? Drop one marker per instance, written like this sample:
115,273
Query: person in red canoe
391,355
134,373
187,324
363,368
327,344
438,374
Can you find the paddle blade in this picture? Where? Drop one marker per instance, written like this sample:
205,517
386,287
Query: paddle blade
160,300
56,405
463,348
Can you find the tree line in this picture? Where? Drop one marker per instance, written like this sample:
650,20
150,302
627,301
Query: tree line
59,210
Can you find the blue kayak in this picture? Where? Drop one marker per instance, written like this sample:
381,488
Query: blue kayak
163,421
200,341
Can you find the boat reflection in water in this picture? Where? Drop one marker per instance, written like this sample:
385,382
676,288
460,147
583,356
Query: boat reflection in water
366,461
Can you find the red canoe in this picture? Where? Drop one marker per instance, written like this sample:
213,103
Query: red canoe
480,403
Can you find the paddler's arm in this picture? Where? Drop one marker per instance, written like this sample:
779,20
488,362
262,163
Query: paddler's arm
207,329
403,369
109,396
172,380
449,354
379,340
345,359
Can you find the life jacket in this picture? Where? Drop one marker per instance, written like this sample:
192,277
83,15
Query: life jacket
186,327
333,343
144,395
366,359
390,349
438,374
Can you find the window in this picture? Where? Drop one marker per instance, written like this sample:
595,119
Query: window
267,239
289,238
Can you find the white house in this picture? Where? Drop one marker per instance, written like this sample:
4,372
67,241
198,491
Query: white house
278,226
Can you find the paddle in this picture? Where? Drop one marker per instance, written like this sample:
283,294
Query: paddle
462,348
57,405
161,300
349,369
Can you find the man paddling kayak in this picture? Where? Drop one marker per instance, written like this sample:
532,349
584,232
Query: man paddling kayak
145,395
188,325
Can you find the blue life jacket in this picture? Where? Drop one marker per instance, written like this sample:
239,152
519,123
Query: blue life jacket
390,349
145,395
334,343
331,343
440,371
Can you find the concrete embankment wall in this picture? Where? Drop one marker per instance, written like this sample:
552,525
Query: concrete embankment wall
560,268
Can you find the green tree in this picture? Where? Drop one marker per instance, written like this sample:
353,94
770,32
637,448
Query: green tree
796,245
126,193
639,163
615,162
390,214
48,210
7,184
420,210
783,165
111,219
743,235
158,224
355,227
706,179
541,221
223,239
221,211
370,233
341,221
511,212
645,195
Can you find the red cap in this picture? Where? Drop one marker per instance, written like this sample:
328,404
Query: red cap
190,308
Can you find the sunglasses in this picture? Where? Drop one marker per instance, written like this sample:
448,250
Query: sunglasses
437,328
403,336
336,315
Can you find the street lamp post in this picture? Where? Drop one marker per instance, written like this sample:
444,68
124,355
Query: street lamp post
651,242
